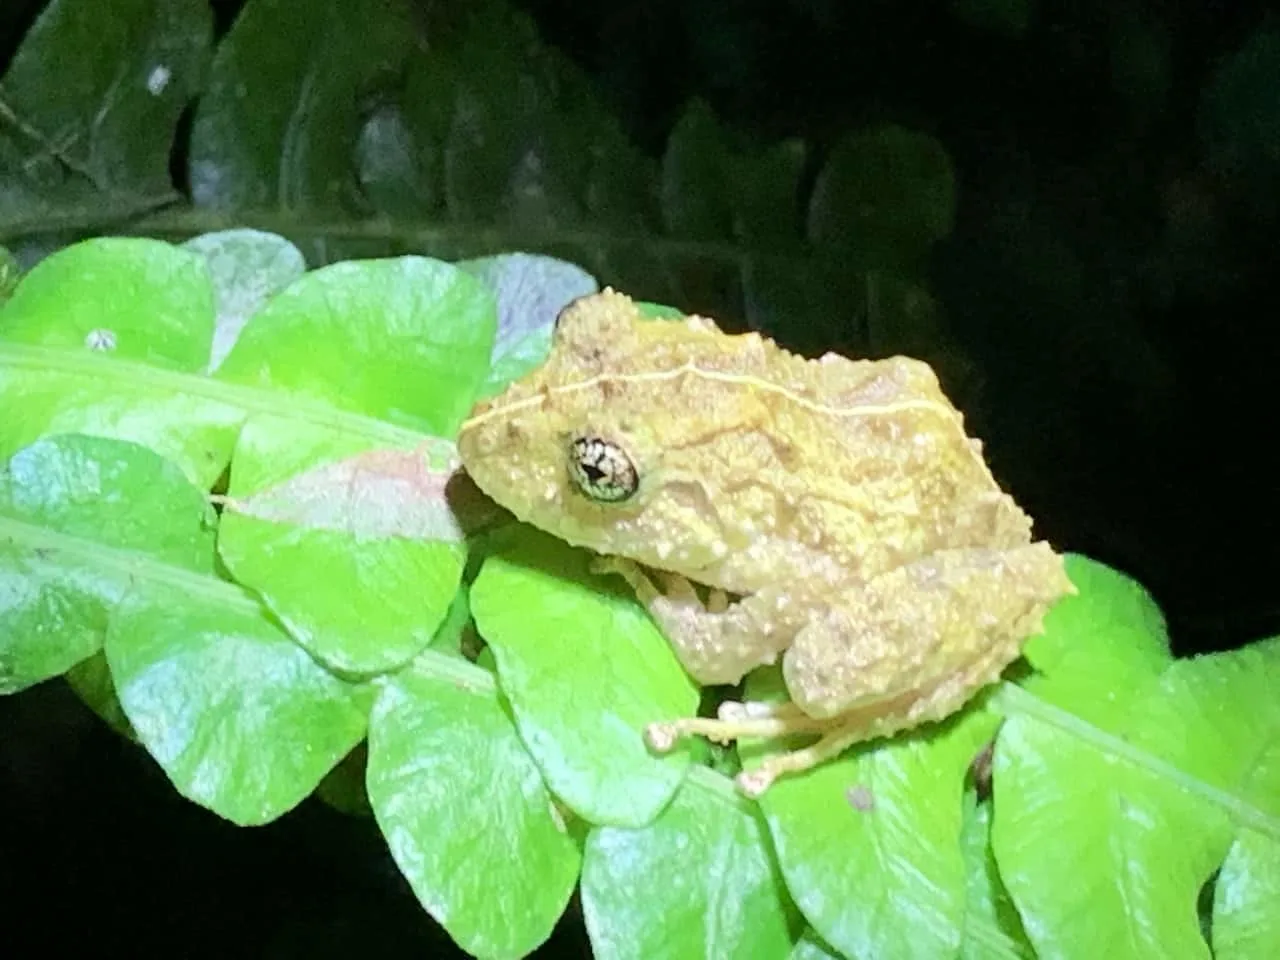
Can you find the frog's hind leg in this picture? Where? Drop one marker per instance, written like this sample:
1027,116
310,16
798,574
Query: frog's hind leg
881,716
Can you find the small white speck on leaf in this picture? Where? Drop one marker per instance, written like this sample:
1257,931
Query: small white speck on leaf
861,798
158,79
100,339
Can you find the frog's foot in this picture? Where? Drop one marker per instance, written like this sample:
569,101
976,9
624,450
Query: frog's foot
832,744
735,721
756,719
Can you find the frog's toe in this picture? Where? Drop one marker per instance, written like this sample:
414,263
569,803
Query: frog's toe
661,737
753,783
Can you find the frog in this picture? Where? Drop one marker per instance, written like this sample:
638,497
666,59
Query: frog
829,513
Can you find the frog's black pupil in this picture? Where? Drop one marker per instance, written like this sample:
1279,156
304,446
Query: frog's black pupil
594,473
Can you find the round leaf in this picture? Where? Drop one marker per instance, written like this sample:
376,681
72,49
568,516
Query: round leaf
78,517
464,809
585,670
886,194
247,267
404,340
129,297
697,881
242,720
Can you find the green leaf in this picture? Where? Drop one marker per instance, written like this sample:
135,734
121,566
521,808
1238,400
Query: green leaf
698,152
394,174
585,670
716,187
1163,767
516,132
1096,652
10,274
658,311
1102,822
1009,17
278,124
343,787
91,681
894,808
1246,908
698,881
885,195
811,947
133,298
355,549
405,340
247,267
83,344
1238,120
242,720
90,105
992,927
75,512
464,809
530,292
456,634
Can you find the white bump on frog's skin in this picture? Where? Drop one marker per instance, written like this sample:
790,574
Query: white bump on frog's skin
782,602
719,550
663,549
551,493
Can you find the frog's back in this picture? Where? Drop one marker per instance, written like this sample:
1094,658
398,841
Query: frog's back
754,463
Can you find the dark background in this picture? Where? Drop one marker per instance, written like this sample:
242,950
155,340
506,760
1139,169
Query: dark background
1115,282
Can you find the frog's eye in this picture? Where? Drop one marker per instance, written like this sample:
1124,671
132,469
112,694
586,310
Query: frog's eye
602,470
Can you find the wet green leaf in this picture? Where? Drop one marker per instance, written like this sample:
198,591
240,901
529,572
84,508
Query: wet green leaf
247,268
585,670
530,292
699,881
464,809
895,809
406,341
356,550
240,717
77,515
97,339
278,124
132,298
90,105
1161,763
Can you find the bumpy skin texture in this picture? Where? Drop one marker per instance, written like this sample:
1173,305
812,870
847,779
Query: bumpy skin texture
840,502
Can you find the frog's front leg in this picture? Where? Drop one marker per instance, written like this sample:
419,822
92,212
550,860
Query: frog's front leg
717,641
